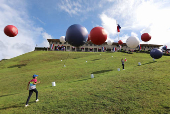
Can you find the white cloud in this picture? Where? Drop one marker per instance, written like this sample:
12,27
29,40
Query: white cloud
39,20
81,7
109,24
45,43
124,38
144,16
15,13
108,38
110,0
70,7
134,34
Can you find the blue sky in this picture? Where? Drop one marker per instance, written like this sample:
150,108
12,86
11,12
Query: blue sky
39,20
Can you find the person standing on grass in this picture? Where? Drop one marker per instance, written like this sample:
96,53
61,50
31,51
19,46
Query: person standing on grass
123,63
32,88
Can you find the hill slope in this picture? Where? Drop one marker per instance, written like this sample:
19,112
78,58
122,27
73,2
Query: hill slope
137,89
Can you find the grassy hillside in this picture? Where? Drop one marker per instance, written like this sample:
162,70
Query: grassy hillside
137,89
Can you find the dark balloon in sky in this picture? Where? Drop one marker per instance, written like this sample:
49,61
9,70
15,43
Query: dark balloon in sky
76,35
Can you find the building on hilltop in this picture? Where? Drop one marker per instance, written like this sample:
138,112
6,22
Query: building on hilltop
90,47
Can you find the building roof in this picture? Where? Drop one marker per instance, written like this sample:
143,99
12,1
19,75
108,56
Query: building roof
114,43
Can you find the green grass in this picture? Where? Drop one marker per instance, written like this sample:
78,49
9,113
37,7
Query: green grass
141,89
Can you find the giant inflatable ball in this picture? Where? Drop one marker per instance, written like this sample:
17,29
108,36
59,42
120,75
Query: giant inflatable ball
10,30
156,53
164,48
132,42
98,35
145,37
65,39
76,35
120,42
62,39
109,43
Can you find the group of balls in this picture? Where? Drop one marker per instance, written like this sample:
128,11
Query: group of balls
77,35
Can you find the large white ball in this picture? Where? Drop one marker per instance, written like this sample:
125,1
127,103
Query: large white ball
62,39
109,42
132,42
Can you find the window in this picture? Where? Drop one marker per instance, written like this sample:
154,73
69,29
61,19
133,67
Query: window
56,42
86,44
60,42
64,42
90,44
68,47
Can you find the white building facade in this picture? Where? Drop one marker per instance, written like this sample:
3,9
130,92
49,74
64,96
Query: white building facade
56,45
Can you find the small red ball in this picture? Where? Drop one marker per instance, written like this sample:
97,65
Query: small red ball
120,42
10,30
145,37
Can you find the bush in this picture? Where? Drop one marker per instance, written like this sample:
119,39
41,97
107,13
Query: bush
130,52
166,54
123,51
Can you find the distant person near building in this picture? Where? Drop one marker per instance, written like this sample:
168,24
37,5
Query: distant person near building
123,63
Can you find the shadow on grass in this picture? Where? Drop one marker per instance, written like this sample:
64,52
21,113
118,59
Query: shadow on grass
19,66
9,94
166,107
75,58
15,106
101,71
80,80
95,59
97,72
148,63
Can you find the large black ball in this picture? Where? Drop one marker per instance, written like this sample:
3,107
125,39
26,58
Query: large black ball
76,35
156,53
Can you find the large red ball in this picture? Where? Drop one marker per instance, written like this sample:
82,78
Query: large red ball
10,30
120,42
145,37
98,35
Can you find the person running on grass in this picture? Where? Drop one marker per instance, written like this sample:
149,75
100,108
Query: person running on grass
32,88
123,63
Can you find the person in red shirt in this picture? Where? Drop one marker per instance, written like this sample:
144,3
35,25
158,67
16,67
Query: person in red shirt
32,88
